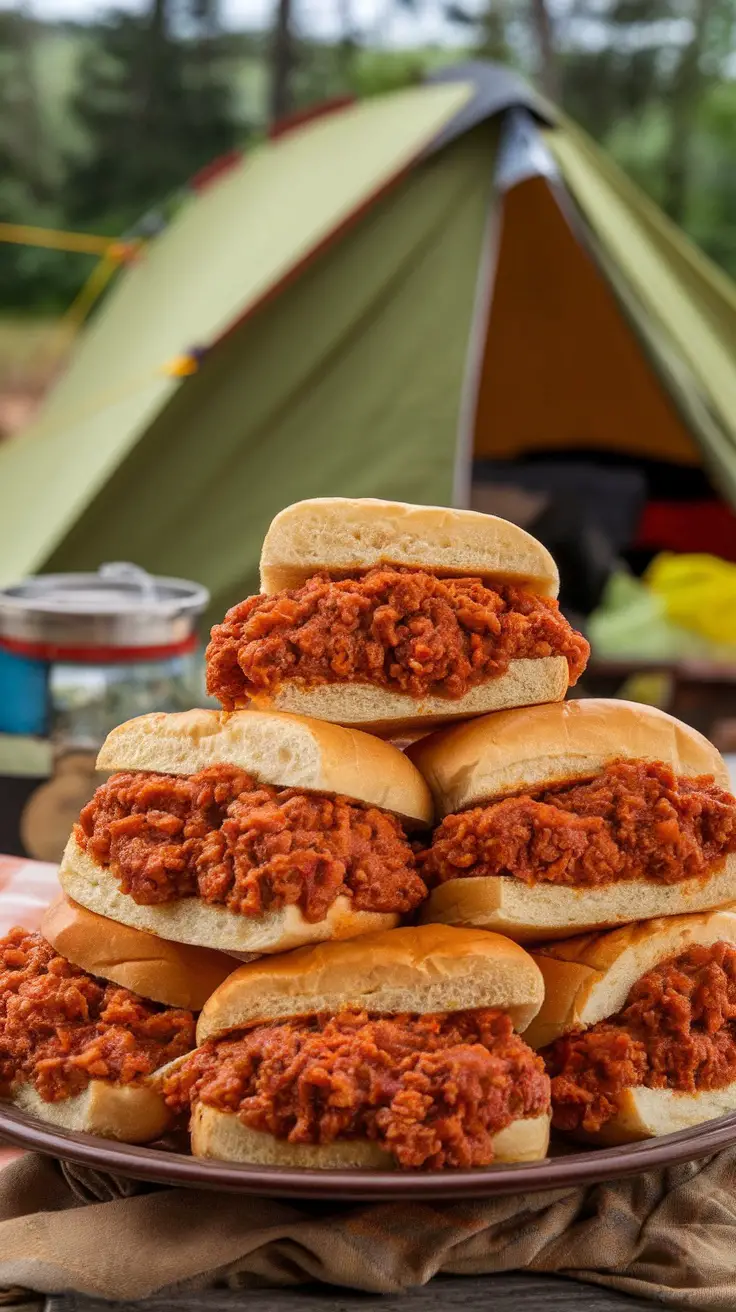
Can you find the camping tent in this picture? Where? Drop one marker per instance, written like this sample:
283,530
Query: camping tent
373,298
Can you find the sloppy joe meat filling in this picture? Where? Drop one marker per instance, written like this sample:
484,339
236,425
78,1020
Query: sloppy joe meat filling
432,1090
61,1028
676,1031
398,628
635,820
253,848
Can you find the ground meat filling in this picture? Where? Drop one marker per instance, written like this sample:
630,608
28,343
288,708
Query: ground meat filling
400,629
677,1031
253,848
635,820
61,1028
432,1090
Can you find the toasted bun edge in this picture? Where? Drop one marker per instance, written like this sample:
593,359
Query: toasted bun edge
525,748
287,751
174,974
415,969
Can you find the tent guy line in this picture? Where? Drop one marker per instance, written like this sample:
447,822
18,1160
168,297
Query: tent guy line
333,276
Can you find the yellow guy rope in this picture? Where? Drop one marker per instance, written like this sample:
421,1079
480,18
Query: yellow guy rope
83,303
84,243
179,366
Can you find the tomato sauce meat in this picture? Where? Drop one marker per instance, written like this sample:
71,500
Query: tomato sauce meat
676,1031
400,629
61,1028
251,847
635,820
432,1090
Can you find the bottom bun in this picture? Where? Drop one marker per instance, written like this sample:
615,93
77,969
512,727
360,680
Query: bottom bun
130,1113
534,913
648,1113
191,920
223,1136
526,682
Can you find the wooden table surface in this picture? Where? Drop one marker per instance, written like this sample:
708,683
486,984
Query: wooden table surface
502,1293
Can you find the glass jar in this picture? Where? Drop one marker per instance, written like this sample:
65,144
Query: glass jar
80,653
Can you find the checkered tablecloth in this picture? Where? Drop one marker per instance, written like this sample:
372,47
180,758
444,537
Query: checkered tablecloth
26,888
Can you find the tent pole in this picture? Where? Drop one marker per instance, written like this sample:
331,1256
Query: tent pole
465,442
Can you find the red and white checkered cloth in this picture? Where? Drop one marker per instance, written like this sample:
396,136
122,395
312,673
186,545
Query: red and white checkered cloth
26,888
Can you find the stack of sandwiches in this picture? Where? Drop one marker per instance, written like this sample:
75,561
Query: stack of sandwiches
603,835
310,947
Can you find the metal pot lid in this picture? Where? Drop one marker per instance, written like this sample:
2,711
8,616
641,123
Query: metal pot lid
120,607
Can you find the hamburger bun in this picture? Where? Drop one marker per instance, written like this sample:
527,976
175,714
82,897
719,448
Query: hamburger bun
288,751
381,711
283,750
165,972
647,1113
344,534
429,968
527,748
534,913
129,1113
223,1136
588,979
191,920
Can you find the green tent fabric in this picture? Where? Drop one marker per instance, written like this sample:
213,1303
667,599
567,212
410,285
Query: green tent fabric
341,281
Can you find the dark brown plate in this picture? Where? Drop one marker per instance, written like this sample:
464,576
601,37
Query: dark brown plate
165,1167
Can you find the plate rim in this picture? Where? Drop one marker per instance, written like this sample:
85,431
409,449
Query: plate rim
159,1166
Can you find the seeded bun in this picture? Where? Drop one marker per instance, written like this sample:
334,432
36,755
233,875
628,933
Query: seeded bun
534,913
342,534
367,706
165,972
129,1113
426,969
288,751
223,1136
589,978
524,749
192,920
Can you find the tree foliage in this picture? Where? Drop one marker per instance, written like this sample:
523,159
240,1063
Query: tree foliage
159,94
155,106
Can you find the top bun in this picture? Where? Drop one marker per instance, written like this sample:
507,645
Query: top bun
289,751
589,978
415,969
527,748
344,534
172,973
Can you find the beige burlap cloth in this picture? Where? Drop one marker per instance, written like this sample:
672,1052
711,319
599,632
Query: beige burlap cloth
669,1236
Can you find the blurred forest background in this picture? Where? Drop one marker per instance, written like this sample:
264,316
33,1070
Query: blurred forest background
102,124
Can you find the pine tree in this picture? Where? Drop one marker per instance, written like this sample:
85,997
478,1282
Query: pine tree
155,105
29,180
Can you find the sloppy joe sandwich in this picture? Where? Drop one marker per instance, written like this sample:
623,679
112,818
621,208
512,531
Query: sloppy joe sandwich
579,816
638,1027
79,1051
173,973
394,1050
252,832
377,613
